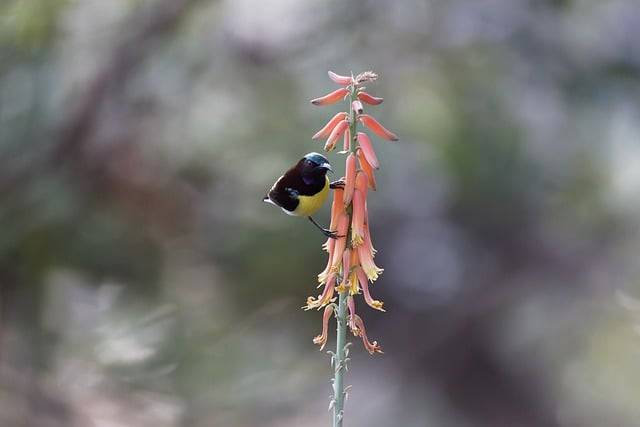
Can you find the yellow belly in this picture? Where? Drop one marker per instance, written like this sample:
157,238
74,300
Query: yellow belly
311,204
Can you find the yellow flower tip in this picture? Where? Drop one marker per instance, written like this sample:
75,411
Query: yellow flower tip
341,288
354,329
377,305
373,273
311,303
356,239
353,283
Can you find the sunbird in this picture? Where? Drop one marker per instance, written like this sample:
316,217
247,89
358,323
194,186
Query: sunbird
303,189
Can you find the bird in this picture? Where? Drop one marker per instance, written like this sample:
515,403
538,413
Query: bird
303,189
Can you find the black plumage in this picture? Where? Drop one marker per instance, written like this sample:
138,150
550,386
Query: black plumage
306,178
302,190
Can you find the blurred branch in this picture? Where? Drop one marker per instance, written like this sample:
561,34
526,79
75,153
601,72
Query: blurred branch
129,54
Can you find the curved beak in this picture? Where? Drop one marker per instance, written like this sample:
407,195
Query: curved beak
326,166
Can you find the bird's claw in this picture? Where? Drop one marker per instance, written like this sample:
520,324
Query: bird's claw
331,234
337,184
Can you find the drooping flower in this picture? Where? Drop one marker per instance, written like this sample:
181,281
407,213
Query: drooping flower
365,255
326,296
357,221
359,330
367,169
364,285
359,210
330,245
346,267
367,150
341,242
376,127
321,339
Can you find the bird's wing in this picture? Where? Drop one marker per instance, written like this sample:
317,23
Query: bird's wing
283,196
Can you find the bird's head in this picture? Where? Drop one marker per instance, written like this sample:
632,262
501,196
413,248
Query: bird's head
314,164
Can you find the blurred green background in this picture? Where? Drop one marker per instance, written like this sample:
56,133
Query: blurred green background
144,283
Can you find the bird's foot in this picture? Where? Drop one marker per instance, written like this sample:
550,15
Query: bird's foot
337,184
331,234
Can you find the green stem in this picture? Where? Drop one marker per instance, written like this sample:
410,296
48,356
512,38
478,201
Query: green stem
341,355
340,362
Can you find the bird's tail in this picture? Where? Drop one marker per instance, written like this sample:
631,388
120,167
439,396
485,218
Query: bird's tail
266,199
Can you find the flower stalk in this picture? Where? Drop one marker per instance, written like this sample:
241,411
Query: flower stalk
350,266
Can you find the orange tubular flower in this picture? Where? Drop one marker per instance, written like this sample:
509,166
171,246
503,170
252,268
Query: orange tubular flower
341,80
377,128
367,150
321,340
368,169
346,266
359,210
341,242
330,245
337,208
357,222
350,180
326,130
336,133
368,99
331,98
364,285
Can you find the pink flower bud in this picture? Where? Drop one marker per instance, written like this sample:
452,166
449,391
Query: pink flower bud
331,98
377,128
357,106
367,150
368,99
326,130
341,80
